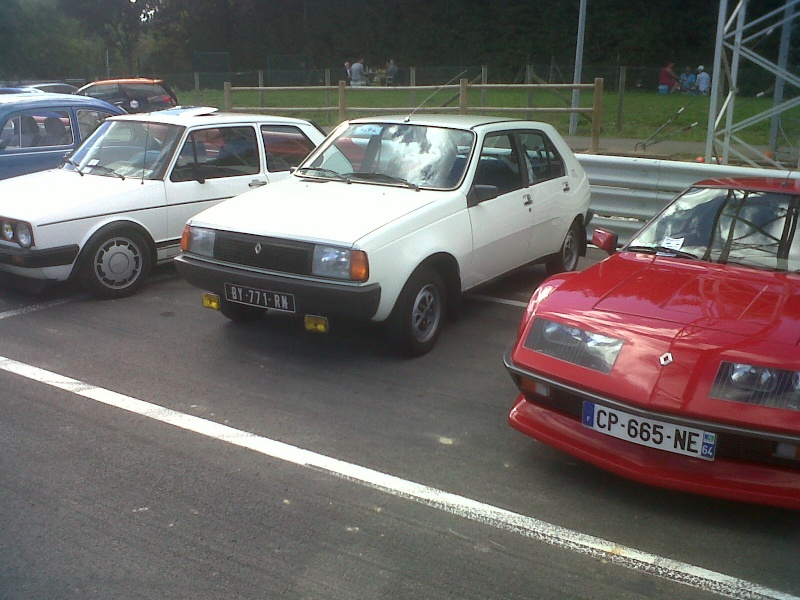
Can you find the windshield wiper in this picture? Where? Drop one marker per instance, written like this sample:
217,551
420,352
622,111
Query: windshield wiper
385,178
108,170
323,171
661,250
74,164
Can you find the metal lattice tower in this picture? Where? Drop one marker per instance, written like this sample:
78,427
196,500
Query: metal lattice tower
736,40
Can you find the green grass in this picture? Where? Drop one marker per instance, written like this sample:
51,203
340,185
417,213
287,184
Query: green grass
643,112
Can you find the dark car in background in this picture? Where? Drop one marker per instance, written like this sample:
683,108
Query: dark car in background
133,95
38,130
55,87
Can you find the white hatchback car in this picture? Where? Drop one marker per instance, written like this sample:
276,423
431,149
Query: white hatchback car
119,204
390,220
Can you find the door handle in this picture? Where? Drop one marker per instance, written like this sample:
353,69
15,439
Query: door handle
257,183
566,186
528,200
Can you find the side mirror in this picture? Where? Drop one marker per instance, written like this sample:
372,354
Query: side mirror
481,193
605,240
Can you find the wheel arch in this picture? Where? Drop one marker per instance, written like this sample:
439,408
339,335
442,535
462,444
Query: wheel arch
447,267
111,227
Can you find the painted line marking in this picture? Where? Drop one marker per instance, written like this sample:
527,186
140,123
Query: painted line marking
665,568
33,308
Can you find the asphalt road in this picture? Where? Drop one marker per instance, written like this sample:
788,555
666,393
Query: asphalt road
149,448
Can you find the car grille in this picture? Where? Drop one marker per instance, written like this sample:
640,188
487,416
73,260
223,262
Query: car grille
730,446
271,254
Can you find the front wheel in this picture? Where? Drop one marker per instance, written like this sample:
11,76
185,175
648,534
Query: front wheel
116,265
567,257
418,315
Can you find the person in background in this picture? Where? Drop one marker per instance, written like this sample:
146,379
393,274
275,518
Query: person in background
667,79
703,81
357,73
687,81
391,73
346,72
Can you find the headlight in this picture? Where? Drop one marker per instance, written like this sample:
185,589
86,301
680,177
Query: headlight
574,345
340,263
24,236
18,231
198,240
757,385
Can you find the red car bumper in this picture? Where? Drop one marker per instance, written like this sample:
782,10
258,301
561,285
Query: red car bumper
721,478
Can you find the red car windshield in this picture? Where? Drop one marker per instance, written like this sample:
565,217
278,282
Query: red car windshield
750,228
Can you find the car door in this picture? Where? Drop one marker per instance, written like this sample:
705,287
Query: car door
549,187
214,164
501,226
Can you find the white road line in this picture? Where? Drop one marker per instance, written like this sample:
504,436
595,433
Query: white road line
33,308
555,535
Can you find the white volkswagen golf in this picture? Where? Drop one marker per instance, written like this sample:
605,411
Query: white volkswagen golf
119,204
390,220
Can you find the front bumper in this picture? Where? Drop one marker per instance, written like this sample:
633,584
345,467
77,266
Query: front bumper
732,477
332,300
38,259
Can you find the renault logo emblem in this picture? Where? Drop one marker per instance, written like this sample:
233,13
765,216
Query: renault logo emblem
258,248
665,359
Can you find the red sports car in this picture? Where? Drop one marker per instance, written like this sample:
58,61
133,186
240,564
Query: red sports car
675,361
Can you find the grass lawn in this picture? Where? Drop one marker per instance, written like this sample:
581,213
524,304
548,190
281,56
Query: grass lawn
643,112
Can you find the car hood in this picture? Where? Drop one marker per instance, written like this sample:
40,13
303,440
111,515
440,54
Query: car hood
319,211
49,196
678,320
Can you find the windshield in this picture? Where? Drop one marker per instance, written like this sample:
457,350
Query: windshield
127,149
415,156
755,229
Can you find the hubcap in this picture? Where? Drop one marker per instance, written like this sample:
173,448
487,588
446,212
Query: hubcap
426,314
118,263
570,252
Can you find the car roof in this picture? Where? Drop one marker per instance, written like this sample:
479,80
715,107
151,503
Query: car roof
206,115
785,185
47,99
447,120
124,80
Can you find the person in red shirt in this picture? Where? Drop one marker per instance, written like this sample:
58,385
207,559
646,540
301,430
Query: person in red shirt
667,79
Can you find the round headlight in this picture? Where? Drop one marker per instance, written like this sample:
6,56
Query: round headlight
24,237
8,231
757,379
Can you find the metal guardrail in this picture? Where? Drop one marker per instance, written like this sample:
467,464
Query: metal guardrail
627,192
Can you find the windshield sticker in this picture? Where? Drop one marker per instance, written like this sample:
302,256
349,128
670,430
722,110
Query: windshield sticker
368,130
671,243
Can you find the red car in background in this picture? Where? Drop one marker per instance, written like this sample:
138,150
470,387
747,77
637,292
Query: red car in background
675,361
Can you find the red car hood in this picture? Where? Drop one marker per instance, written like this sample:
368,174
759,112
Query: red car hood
702,314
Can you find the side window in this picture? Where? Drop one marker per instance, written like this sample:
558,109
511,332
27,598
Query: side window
218,152
32,129
499,164
285,146
89,120
543,161
107,92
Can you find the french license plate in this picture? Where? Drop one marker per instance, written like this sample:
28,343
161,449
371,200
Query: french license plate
649,432
242,294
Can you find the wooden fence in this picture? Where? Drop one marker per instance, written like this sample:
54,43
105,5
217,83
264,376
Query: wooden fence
462,89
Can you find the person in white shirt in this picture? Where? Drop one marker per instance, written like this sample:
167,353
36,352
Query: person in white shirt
703,81
357,73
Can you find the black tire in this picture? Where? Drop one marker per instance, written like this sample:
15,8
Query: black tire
568,255
418,315
239,313
115,264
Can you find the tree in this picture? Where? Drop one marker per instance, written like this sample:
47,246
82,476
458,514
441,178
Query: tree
118,23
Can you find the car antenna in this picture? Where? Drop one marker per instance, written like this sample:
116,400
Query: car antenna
421,104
